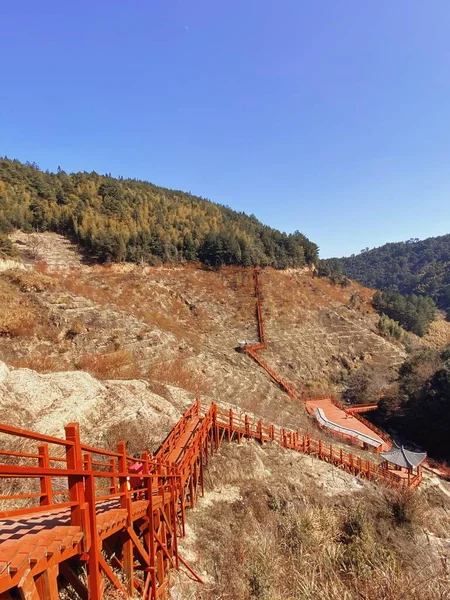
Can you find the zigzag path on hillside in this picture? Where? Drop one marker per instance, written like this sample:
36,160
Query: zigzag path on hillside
359,426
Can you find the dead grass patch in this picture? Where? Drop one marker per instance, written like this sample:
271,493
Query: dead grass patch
286,539
30,281
18,316
177,373
41,364
137,434
121,364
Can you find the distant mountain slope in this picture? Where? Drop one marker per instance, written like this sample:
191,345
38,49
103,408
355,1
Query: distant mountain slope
413,267
131,220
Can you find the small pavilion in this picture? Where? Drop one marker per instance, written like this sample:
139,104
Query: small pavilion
405,463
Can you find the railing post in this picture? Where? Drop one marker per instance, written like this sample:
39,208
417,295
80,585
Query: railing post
46,481
173,514
113,480
74,461
94,577
125,502
151,525
247,427
230,430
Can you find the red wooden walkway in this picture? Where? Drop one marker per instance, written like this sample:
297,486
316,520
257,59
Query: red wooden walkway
82,512
69,505
333,410
346,420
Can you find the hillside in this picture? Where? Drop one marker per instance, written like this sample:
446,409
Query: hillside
129,220
273,523
181,326
413,267
417,405
123,349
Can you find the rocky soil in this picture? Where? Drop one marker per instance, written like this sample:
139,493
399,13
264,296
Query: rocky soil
45,403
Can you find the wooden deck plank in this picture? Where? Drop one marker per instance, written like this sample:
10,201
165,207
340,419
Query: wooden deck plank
342,418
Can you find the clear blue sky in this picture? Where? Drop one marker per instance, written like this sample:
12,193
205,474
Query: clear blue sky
327,116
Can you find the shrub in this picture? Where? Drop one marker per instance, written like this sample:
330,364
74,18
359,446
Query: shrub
120,364
413,312
75,329
390,328
7,248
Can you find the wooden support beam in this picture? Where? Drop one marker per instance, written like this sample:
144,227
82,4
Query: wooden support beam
27,587
140,551
47,583
174,526
94,576
190,569
111,576
202,483
164,548
66,571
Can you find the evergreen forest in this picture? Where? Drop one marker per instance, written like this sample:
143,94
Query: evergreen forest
412,268
118,219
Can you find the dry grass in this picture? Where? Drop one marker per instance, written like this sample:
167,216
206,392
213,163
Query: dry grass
30,281
18,316
120,364
41,363
178,373
139,435
438,335
284,539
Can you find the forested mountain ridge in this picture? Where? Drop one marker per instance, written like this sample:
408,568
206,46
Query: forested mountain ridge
131,220
412,267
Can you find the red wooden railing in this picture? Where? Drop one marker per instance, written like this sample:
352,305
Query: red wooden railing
79,508
71,504
253,349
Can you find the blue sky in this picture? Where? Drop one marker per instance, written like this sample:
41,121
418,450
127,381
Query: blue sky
327,116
